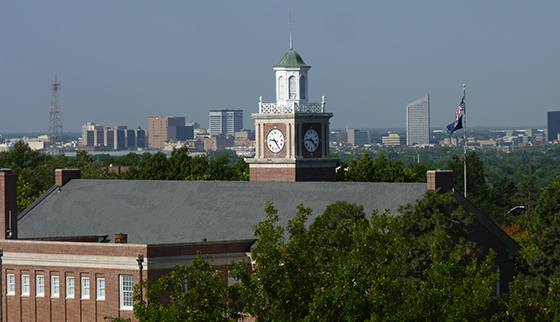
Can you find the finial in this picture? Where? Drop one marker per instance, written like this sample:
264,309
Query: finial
291,41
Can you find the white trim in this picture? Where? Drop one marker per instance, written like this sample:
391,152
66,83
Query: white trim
10,285
25,285
70,287
40,285
65,260
86,288
100,295
129,293
55,287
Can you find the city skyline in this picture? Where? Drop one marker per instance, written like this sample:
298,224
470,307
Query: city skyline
122,62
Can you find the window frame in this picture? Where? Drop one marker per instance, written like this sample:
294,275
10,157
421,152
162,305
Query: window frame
126,301
85,288
70,287
10,285
25,285
55,286
100,289
40,285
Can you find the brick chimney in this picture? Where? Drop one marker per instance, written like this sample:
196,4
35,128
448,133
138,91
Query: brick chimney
62,176
8,204
121,238
440,180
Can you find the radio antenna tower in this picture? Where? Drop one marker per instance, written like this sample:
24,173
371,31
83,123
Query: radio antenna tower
55,124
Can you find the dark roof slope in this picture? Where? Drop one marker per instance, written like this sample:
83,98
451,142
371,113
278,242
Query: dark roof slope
156,212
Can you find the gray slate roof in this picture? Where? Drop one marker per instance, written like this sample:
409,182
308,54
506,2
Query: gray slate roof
161,212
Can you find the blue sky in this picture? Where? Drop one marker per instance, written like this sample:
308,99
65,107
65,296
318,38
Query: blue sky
122,61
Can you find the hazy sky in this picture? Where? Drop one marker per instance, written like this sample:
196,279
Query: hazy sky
121,61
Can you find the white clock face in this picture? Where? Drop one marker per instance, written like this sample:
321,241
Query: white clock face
275,140
311,140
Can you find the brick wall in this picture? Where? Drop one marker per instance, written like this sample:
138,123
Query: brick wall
8,204
62,176
272,174
64,259
93,261
440,179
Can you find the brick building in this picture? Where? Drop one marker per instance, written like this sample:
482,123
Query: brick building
64,257
76,252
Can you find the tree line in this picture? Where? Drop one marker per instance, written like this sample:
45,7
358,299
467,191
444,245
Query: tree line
346,266
36,170
525,208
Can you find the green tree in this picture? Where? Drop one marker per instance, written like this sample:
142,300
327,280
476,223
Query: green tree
344,267
195,294
21,157
476,175
544,226
527,194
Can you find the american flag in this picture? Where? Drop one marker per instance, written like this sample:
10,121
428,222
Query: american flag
460,109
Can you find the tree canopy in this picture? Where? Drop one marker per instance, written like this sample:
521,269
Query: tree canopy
342,266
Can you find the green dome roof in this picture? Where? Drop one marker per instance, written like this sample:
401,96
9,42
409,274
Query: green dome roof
291,59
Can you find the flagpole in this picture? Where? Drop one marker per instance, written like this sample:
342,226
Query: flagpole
465,139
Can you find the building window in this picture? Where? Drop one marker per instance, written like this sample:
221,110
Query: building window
101,289
292,87
281,88
70,287
302,92
11,284
40,280
85,288
55,286
231,280
126,290
25,285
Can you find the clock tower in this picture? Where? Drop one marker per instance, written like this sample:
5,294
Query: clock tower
292,135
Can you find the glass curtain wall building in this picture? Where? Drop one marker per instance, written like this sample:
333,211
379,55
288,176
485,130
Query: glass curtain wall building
418,121
552,125
225,121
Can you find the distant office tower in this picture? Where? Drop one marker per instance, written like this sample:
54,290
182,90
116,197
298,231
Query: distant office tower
225,121
163,129
357,137
109,135
92,135
130,138
418,121
120,137
141,137
552,125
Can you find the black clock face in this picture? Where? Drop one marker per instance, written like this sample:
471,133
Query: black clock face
275,140
311,140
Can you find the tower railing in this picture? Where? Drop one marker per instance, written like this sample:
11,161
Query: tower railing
292,107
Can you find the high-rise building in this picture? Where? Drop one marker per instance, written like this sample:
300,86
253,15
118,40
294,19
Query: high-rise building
109,135
120,137
225,121
552,125
357,137
130,138
158,129
418,121
92,135
141,137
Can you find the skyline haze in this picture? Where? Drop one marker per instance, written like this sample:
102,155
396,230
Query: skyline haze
120,62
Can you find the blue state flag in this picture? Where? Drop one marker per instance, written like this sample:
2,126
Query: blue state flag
455,125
